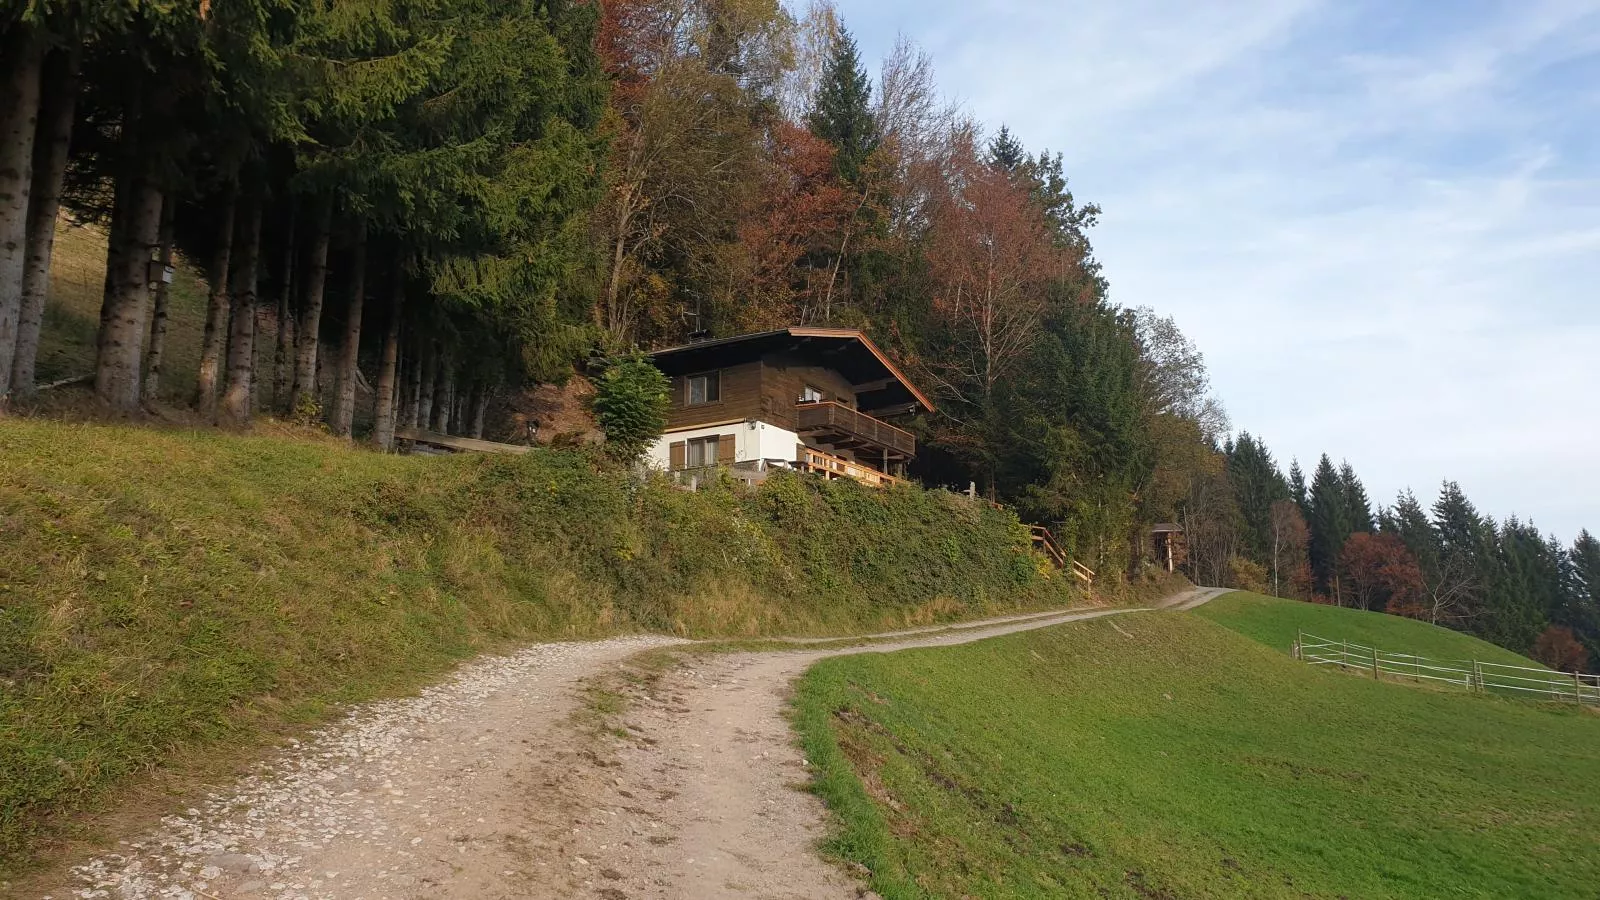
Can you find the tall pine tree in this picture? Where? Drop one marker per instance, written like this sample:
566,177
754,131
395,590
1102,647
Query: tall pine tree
842,114
1257,484
1583,589
1357,506
1005,151
1330,524
1297,487
1410,522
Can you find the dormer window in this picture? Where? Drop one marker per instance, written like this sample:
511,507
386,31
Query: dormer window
703,389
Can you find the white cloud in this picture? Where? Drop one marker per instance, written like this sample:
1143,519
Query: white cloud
1381,223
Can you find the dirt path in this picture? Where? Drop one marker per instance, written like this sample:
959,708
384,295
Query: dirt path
484,787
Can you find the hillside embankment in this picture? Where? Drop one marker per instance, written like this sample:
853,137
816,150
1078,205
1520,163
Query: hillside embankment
167,593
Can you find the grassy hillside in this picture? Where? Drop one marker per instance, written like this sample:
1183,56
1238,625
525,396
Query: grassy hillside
1163,756
1275,622
161,591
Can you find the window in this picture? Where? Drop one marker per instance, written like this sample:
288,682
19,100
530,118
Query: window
703,389
703,451
811,395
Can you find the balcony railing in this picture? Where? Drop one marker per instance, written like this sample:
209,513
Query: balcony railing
853,428
830,466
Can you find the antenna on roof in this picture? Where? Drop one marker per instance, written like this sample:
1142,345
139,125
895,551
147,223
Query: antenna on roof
693,321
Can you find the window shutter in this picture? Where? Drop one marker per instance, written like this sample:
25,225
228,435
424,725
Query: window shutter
676,452
725,450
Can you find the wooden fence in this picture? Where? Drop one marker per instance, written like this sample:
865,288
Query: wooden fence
1469,674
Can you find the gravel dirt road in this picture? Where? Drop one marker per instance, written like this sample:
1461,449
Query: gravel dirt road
489,786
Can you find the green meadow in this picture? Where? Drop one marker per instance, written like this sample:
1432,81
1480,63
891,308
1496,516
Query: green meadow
1163,755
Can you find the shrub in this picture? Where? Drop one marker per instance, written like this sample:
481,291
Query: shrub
630,403
1247,575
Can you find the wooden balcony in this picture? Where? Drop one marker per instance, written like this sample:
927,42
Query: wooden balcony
830,466
846,429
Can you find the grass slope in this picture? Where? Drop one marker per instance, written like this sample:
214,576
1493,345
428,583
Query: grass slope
1163,756
161,591
1275,622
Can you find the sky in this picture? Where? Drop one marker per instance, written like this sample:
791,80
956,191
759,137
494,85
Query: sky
1378,219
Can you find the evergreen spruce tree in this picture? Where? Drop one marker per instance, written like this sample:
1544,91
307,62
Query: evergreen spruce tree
1257,484
1459,526
1005,151
1356,503
1330,525
1525,593
842,114
1410,522
1297,487
1468,543
1583,589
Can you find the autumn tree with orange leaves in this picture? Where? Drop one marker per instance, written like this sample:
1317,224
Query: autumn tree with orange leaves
1378,571
993,261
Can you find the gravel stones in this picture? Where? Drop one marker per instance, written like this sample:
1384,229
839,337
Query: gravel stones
369,787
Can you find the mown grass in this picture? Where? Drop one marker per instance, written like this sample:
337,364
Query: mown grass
1164,756
165,591
1277,622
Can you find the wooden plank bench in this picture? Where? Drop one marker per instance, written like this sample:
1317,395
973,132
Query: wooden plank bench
451,442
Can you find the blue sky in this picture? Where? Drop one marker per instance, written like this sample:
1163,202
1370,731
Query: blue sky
1380,221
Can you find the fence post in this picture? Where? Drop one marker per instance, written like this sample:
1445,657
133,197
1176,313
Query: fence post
1477,676
1298,641
1577,688
1376,671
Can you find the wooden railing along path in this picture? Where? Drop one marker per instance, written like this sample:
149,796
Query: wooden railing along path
1045,542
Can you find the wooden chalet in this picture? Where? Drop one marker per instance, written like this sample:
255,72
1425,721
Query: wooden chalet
815,399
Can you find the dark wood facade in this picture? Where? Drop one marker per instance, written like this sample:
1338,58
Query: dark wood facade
831,387
741,397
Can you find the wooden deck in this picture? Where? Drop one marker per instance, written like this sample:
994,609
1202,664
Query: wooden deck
845,428
830,466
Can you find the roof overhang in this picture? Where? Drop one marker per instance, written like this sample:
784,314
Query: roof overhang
879,383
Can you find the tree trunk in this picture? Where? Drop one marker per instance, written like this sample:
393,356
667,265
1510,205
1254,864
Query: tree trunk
242,335
383,413
122,332
344,379
444,396
480,407
413,391
57,104
19,124
307,334
158,317
216,333
283,358
430,381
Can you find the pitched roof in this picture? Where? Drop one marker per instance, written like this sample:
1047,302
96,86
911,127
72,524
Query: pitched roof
867,364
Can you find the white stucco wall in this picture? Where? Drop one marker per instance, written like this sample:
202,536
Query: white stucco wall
762,441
